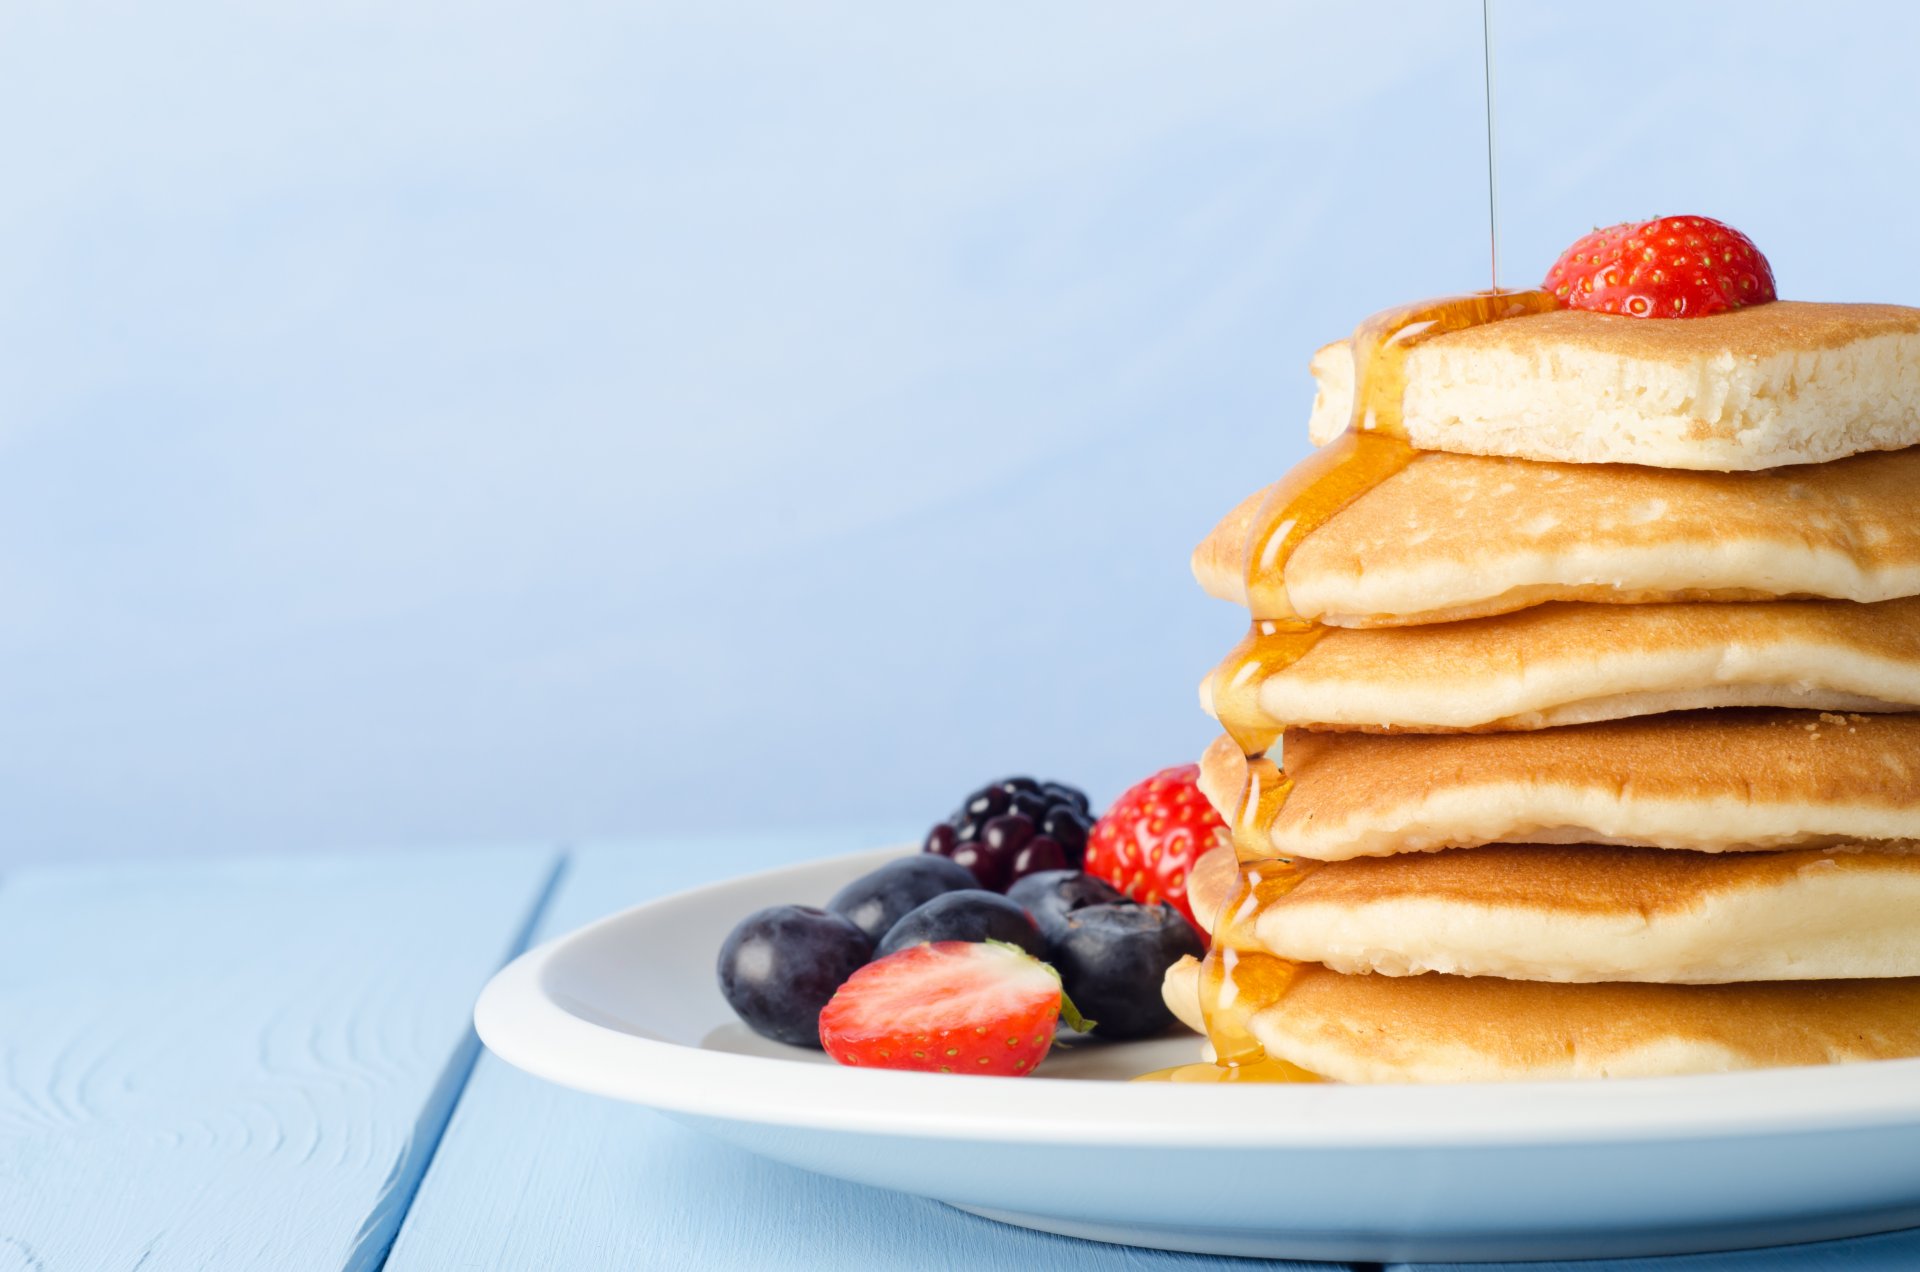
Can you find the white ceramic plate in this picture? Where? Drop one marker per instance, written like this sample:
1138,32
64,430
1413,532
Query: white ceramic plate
1542,1170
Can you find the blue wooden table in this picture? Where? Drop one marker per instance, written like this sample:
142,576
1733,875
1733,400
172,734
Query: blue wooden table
267,1064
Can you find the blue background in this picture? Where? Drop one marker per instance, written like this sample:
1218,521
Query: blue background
452,422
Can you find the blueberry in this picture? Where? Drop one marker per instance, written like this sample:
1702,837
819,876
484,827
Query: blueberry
1040,854
878,900
779,967
1052,895
1112,958
967,916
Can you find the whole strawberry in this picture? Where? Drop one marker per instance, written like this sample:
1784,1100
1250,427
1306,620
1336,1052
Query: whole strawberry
1150,838
1669,267
948,1007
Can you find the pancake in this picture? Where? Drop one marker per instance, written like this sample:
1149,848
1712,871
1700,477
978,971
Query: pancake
1781,383
1210,882
1436,1028
1568,663
1583,912
1460,536
1710,781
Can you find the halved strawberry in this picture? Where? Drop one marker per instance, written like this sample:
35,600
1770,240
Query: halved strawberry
949,1007
1669,267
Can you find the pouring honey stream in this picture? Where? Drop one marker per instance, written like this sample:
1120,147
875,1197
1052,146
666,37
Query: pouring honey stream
1235,978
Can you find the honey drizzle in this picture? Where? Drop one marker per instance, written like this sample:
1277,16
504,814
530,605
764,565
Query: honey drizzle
1261,800
1374,446
1235,688
1235,979
1311,494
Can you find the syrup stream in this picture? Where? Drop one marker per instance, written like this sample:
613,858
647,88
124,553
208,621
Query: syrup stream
1236,980
1493,184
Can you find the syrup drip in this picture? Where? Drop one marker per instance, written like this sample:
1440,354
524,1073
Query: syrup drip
1260,803
1373,448
1234,982
1236,979
1311,494
1375,445
1270,644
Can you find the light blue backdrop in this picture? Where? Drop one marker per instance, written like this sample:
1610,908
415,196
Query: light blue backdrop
452,422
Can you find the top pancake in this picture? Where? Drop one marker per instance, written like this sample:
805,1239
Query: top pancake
1782,383
1461,536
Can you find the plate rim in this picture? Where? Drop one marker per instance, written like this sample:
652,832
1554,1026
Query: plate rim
521,1020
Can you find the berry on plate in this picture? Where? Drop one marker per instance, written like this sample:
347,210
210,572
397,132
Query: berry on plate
1054,894
1151,837
969,915
952,1007
881,898
1112,958
780,965
1669,267
1015,827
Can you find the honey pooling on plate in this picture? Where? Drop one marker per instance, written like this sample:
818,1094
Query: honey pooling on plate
1263,1071
1373,448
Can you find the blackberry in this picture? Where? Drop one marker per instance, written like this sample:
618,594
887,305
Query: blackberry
1015,827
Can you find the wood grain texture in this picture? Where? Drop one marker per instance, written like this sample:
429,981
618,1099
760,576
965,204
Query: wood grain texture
1894,1252
238,1064
532,1176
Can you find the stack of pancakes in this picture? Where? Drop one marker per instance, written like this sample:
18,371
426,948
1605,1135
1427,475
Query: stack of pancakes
1609,762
